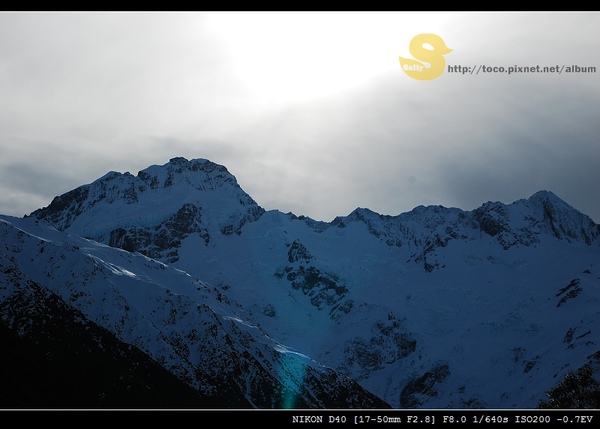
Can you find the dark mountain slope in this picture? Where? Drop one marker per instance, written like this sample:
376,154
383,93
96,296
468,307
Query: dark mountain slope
60,359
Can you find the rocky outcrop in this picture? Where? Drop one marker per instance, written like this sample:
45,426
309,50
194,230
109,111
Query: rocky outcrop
387,344
423,386
325,290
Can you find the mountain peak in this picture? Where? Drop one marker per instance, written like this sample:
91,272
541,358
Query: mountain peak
544,194
199,173
523,221
563,220
157,208
178,160
548,197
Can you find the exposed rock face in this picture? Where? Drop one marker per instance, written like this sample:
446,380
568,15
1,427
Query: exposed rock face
579,389
162,240
423,386
326,290
387,344
572,290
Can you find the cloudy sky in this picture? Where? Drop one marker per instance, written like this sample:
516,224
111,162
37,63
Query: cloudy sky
311,112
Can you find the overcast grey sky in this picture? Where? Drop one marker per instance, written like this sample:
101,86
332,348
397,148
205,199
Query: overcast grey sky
310,111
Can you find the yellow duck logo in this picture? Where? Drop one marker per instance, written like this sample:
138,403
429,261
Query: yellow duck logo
434,57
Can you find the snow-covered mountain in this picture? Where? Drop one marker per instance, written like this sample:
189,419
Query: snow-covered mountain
188,327
433,308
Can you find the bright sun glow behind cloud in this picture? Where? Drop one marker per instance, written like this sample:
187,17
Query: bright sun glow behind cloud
290,57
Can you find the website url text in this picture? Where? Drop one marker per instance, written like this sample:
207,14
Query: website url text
476,69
